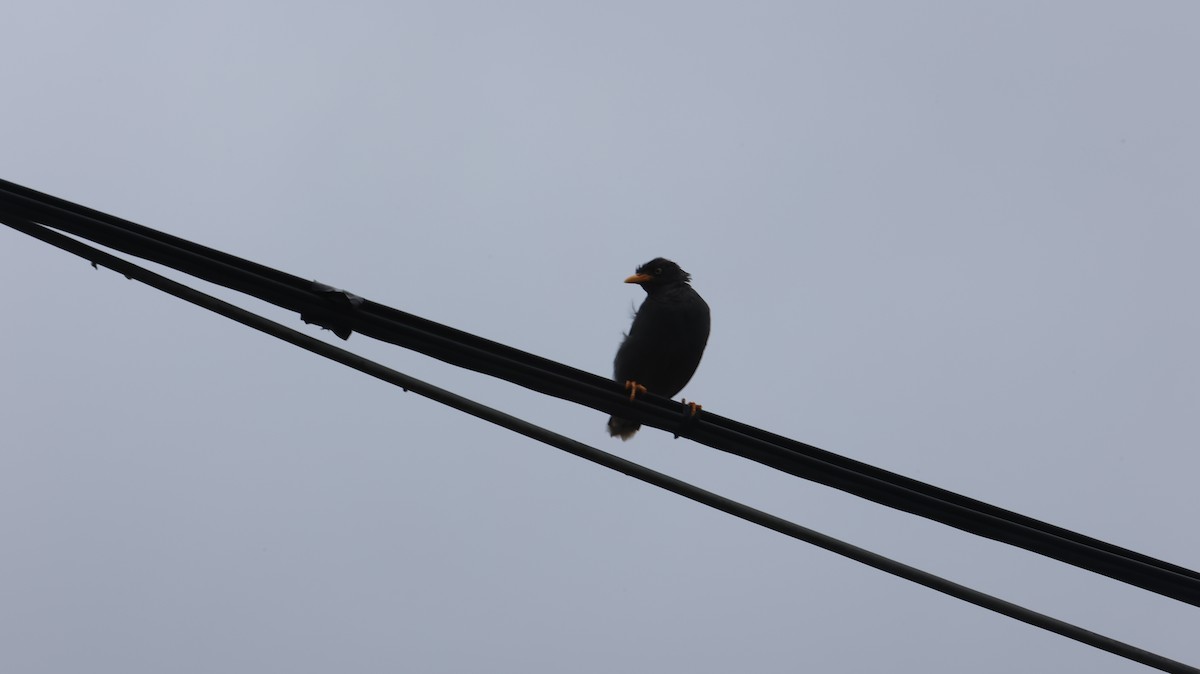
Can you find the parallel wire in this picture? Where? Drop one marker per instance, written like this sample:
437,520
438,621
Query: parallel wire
343,314
602,458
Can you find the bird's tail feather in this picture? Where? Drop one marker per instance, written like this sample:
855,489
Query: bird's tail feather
622,428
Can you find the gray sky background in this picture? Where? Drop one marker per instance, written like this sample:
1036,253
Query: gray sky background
957,240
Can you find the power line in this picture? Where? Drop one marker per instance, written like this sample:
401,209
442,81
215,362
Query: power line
602,458
345,313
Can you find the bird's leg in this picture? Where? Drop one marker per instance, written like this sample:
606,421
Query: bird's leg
689,416
634,388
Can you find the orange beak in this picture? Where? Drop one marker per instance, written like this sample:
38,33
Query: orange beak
639,278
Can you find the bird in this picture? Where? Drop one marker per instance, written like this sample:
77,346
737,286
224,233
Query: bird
666,341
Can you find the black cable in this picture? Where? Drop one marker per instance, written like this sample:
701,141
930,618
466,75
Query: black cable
602,458
465,350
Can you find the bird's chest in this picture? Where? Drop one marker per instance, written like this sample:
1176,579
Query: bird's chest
664,323
664,328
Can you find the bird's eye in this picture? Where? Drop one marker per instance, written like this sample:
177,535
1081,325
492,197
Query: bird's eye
658,271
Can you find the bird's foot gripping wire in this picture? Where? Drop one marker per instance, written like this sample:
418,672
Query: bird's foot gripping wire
691,411
634,388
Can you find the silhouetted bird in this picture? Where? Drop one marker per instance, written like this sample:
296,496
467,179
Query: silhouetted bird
666,341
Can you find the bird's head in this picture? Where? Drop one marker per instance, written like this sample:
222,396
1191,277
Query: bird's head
659,273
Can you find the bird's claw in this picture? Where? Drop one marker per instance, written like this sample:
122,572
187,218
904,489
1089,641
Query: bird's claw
634,388
689,417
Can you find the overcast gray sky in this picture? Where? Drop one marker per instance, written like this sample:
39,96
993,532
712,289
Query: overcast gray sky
954,239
